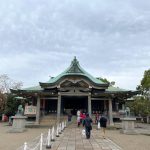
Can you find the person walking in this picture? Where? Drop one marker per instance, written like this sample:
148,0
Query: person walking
78,121
69,117
78,117
103,124
78,113
83,117
87,123
96,117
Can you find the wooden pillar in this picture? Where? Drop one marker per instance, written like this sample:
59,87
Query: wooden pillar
105,106
110,112
43,107
43,104
58,107
123,106
89,104
38,110
117,106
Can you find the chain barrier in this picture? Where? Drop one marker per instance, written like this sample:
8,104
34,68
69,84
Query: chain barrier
43,141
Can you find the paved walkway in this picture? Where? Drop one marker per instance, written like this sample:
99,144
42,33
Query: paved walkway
72,139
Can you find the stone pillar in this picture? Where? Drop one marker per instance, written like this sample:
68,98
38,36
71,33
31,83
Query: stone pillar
110,112
128,126
58,107
89,104
38,110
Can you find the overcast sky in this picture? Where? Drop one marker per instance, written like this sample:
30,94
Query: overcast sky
110,38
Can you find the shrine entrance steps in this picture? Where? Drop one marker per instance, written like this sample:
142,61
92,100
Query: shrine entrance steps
51,120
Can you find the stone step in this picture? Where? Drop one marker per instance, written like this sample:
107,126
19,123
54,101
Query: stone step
47,121
51,119
50,124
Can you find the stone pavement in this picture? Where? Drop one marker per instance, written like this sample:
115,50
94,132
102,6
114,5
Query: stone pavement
72,139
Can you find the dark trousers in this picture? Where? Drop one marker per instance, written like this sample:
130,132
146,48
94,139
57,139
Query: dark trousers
88,132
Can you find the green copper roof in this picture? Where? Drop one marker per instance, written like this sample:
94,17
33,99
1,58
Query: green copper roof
76,69
73,70
110,89
33,88
115,89
19,97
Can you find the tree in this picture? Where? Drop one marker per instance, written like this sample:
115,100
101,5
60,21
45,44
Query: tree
111,83
140,106
6,84
146,80
12,104
145,84
2,102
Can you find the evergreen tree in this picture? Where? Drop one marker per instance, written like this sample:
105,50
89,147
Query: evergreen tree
145,84
12,104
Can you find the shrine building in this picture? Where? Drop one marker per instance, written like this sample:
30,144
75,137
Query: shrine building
75,89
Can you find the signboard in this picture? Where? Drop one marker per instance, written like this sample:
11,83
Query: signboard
30,110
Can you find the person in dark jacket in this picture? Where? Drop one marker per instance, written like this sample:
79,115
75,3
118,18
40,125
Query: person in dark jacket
103,124
87,123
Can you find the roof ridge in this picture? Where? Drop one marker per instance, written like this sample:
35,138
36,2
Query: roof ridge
75,69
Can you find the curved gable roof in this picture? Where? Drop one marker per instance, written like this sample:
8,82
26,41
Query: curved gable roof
74,70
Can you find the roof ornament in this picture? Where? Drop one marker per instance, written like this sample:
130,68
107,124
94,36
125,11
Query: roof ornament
75,67
75,61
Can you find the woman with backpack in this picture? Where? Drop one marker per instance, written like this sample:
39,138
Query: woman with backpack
87,123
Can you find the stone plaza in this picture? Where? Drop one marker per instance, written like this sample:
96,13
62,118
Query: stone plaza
72,139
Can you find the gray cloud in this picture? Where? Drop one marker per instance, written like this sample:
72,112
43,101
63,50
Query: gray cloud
39,38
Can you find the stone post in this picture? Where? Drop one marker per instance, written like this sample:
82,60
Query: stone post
38,110
58,107
89,104
110,112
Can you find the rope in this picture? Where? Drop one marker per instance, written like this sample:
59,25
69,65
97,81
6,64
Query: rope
36,143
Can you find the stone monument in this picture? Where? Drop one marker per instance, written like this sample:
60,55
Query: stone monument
19,121
128,126
128,123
